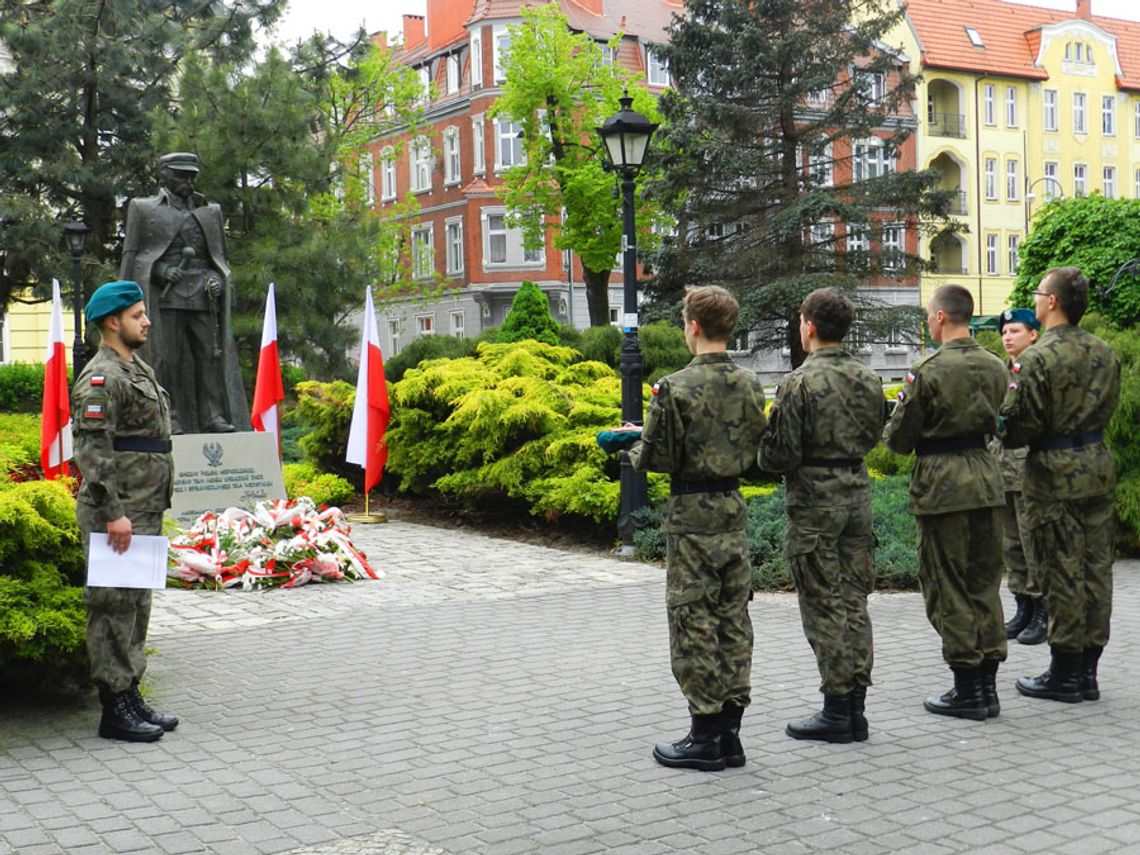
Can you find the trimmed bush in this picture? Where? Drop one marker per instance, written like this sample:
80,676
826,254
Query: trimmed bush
21,387
529,318
663,349
325,409
324,488
602,344
426,347
19,447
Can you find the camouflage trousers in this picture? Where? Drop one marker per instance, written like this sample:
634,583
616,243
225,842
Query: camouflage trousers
959,571
831,555
1074,549
1020,568
707,588
117,618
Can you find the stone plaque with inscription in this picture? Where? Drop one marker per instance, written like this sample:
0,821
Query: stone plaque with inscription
215,471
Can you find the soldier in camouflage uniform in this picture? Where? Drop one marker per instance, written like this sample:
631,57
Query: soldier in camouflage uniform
1065,390
122,449
828,414
946,413
703,427
1019,328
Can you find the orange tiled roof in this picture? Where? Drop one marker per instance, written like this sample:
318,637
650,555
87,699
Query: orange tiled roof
645,18
1011,36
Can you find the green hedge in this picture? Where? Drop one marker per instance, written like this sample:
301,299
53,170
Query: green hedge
324,488
19,447
21,387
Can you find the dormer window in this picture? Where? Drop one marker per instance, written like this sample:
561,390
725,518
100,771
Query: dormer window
975,37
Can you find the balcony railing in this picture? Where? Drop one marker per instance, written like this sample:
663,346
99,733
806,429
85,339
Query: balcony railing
947,124
958,202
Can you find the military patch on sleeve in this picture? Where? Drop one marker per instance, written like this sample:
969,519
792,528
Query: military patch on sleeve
98,379
93,411
902,395
656,388
910,378
1016,368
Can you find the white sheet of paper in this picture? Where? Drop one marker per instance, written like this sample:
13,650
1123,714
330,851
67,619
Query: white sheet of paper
143,565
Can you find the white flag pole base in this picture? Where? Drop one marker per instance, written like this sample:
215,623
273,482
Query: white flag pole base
366,517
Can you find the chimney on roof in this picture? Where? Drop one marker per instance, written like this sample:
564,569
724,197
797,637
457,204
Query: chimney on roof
1084,9
414,32
380,39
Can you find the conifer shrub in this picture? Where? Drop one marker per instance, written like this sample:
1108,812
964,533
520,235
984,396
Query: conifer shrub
602,344
514,422
324,488
325,409
529,318
42,616
19,446
426,347
663,349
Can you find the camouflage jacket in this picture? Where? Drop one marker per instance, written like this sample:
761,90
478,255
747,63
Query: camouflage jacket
830,407
952,394
1066,385
1012,459
703,424
113,399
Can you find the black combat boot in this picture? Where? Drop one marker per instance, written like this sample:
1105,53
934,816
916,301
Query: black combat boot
965,700
989,687
166,722
859,731
1090,691
730,735
1061,682
830,724
1021,617
121,721
699,749
1038,628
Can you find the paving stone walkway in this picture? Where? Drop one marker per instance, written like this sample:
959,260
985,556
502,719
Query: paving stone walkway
491,696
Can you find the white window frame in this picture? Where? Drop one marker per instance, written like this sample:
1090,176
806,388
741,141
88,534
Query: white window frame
1080,113
393,336
425,324
368,174
479,145
420,165
507,133
496,231
992,254
1051,170
424,74
857,239
870,159
991,178
457,319
1108,115
821,167
1136,120
1080,179
476,60
453,241
894,246
1012,180
989,112
452,171
502,46
1011,106
1137,188
453,73
1012,243
656,71
1108,182
1050,112
387,174
423,251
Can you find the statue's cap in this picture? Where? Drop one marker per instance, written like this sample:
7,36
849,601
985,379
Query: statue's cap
1019,316
112,297
184,160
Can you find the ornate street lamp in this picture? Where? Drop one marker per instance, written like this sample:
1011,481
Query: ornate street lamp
625,137
75,234
1050,182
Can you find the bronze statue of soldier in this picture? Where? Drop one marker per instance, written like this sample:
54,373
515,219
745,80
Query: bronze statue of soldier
175,249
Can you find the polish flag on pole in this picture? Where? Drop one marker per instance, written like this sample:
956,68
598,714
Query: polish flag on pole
370,411
55,425
268,390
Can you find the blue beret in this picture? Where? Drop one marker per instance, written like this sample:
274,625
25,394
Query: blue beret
1019,316
111,298
616,440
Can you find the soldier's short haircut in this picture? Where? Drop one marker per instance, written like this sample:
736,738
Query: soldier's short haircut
831,311
1071,289
955,301
714,308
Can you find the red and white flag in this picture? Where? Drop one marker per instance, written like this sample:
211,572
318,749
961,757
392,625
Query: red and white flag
268,391
370,412
55,423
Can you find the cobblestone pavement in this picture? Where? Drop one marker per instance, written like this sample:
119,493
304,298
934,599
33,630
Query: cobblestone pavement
490,696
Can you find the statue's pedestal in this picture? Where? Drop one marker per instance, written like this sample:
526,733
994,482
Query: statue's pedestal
215,471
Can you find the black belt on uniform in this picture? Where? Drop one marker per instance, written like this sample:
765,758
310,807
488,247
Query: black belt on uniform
142,443
716,485
832,462
948,446
1077,441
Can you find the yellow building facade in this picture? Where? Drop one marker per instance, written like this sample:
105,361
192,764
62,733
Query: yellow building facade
1017,105
24,331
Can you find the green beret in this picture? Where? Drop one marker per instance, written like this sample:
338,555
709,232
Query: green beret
617,440
1019,316
111,298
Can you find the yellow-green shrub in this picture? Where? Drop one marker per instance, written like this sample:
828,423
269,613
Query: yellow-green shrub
324,488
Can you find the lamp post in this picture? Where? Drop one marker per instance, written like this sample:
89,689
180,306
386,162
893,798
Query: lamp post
1029,197
75,233
625,137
